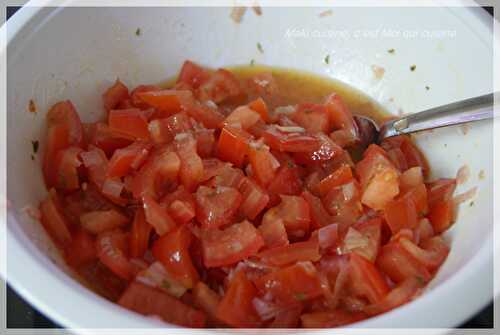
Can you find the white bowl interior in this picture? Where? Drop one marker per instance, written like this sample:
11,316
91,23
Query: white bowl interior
75,53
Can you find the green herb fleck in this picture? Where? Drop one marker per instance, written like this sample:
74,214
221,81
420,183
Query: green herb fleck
427,88
327,59
391,50
138,32
471,204
32,157
420,280
308,111
252,62
259,47
165,284
413,67
300,296
35,146
290,164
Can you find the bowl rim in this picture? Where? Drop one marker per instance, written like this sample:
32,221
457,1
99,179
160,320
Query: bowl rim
482,261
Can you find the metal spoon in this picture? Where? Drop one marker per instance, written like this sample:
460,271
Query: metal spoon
473,109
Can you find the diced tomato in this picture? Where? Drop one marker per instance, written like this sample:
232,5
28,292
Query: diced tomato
263,84
53,219
137,102
219,173
411,178
328,236
401,213
399,265
319,215
326,150
206,299
205,142
423,231
441,215
286,182
412,155
382,188
114,95
441,190
128,158
243,117
375,160
139,235
192,74
292,284
289,139
259,105
172,250
233,145
294,211
81,250
112,251
273,232
287,318
67,163
131,122
343,202
312,117
399,295
206,114
99,221
230,245
432,253
165,130
330,319
398,159
371,231
291,253
157,216
64,130
166,102
340,176
254,198
181,211
236,308
162,167
418,195
216,207
149,301
191,169
366,280
264,164
340,117
222,85
107,140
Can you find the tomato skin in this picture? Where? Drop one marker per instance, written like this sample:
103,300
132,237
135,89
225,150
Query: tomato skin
254,198
291,284
312,117
330,319
191,169
233,145
172,250
236,308
398,264
340,176
192,74
53,219
81,250
131,122
112,251
264,164
274,233
216,207
291,253
441,215
114,95
230,245
64,129
128,158
139,234
366,279
149,301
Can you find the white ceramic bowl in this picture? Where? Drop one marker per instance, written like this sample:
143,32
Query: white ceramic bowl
74,53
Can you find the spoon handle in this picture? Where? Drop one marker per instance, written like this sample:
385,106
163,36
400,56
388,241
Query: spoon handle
473,109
